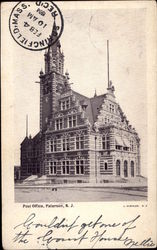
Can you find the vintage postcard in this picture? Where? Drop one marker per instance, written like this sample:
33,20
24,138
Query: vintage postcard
78,124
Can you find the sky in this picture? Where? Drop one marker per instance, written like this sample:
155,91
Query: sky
84,42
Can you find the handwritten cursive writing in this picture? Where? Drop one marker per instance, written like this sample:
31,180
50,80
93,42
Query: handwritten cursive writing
94,232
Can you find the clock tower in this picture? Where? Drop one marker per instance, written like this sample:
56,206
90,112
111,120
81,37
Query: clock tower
51,81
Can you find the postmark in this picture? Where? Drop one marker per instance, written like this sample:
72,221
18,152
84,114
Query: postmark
32,24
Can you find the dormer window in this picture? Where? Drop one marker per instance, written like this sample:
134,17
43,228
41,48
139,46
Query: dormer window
72,121
65,104
67,122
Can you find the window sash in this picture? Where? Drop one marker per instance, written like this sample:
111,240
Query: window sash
80,142
53,145
105,142
53,168
66,167
65,104
79,168
66,144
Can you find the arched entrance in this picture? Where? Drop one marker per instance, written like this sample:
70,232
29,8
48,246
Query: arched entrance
132,169
118,167
125,169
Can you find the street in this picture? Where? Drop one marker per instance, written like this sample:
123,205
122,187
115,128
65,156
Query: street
76,194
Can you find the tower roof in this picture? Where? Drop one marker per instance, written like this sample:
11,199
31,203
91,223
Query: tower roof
54,34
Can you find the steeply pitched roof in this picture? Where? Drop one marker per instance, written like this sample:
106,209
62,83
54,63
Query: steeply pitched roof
36,137
96,103
25,141
93,105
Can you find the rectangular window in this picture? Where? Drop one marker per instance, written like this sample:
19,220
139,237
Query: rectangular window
65,167
60,123
67,104
79,167
74,121
77,142
66,144
53,145
70,122
106,142
103,143
57,124
80,142
53,167
63,105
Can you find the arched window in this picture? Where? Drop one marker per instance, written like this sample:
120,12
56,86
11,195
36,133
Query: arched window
125,169
132,169
118,167
105,165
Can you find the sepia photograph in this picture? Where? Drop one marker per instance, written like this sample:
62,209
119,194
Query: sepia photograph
78,124
86,147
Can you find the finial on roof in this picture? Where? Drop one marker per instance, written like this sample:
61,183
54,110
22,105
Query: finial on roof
67,75
95,94
41,72
111,88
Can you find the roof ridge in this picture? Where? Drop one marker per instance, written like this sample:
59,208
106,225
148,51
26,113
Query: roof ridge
97,96
81,94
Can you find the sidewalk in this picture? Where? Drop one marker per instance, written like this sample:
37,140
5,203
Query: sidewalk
83,185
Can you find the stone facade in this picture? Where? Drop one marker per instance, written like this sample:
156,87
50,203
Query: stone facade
81,139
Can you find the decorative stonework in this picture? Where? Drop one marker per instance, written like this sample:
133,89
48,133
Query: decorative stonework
80,137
